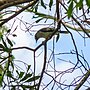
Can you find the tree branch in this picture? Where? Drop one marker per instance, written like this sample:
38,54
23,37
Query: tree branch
44,65
58,14
8,3
83,80
18,12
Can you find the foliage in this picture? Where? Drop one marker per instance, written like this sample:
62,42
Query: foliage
70,15
22,79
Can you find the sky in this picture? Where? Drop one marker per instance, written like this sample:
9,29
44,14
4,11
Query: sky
63,45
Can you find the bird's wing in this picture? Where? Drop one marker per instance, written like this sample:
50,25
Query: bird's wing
46,30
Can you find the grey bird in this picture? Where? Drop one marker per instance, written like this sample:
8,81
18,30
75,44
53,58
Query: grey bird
47,32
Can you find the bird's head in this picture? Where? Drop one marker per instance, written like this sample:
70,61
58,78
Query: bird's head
38,35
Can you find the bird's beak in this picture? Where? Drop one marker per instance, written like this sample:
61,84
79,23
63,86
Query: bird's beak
36,41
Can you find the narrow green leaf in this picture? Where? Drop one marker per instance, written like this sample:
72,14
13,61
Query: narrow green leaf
26,77
1,46
42,4
21,74
12,65
88,3
4,43
80,4
9,74
1,69
70,9
28,87
9,41
6,65
1,80
28,67
50,4
38,20
33,78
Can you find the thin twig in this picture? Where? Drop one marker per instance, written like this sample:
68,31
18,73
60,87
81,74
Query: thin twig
44,65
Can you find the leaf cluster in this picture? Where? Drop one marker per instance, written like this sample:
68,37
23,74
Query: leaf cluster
78,5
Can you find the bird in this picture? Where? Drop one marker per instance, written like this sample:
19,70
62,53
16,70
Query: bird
46,33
